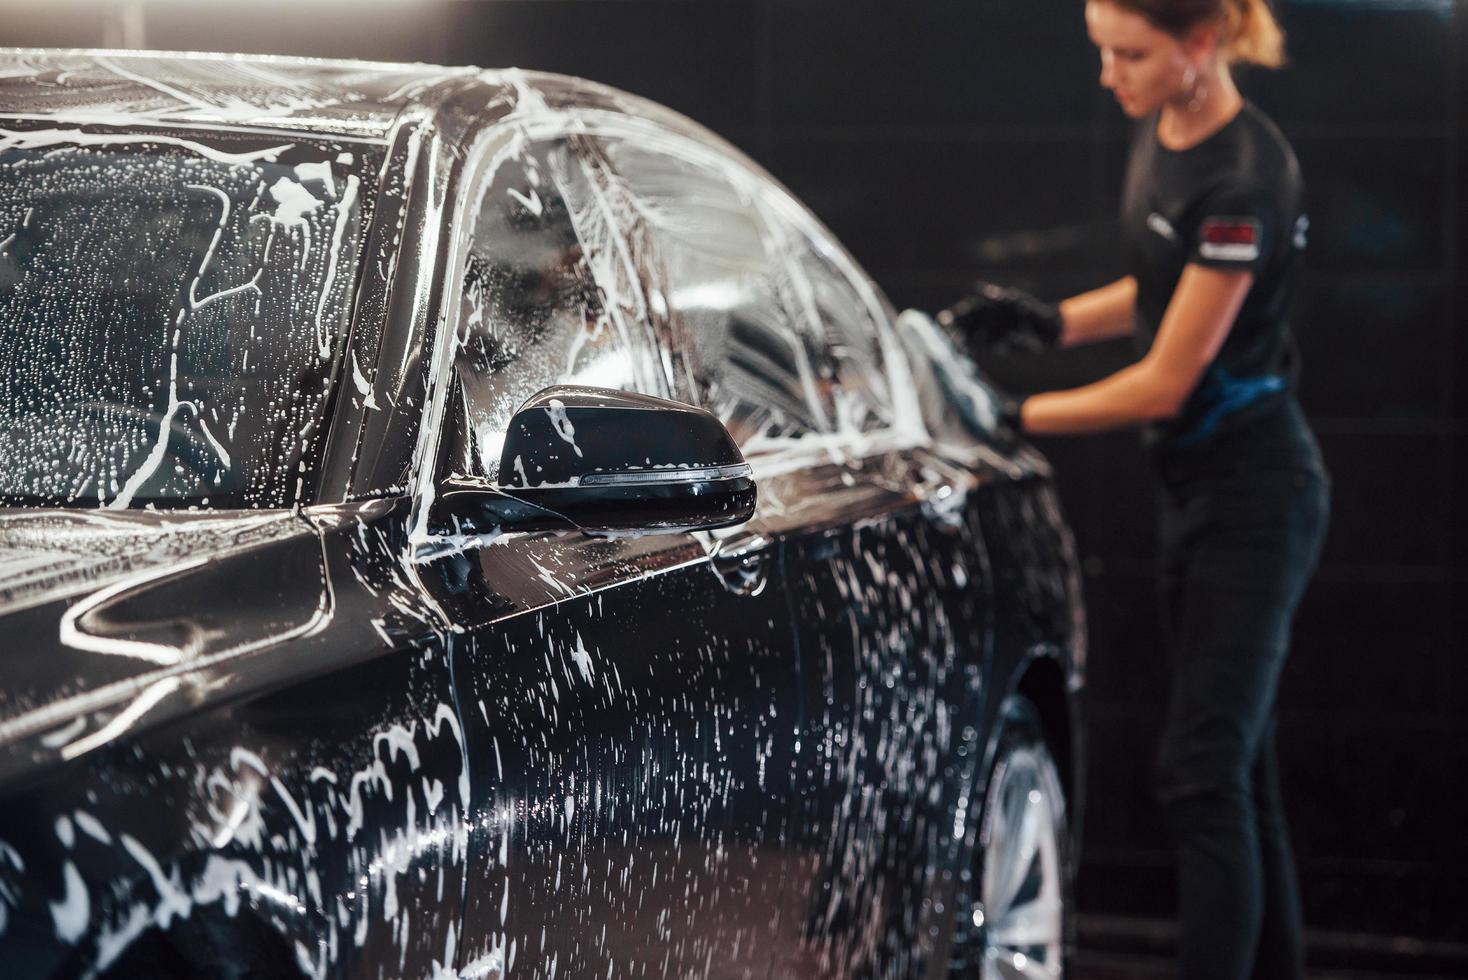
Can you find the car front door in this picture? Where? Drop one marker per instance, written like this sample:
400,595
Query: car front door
626,701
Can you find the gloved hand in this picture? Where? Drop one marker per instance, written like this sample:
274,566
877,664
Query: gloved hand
1004,320
987,412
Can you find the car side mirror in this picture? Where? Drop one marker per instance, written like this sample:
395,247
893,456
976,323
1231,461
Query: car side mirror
607,462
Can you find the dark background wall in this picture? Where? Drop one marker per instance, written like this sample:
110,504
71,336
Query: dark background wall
942,140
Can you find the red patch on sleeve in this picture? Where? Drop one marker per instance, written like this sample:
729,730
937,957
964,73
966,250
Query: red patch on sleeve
1230,240
1231,231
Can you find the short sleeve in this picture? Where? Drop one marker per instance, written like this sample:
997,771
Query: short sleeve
1236,228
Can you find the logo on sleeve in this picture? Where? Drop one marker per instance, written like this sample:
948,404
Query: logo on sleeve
1302,230
1161,226
1230,239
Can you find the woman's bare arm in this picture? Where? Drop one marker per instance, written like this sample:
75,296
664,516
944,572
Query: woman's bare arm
1197,322
1101,314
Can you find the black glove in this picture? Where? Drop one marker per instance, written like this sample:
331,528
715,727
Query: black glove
1010,419
1003,320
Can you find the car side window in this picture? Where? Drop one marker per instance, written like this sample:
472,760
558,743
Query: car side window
547,298
733,313
852,333
770,336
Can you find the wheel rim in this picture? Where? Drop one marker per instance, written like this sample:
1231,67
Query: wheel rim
1021,915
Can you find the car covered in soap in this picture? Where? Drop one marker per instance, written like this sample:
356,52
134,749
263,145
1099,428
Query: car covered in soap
478,523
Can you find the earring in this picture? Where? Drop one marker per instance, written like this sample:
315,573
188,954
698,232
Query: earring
1198,89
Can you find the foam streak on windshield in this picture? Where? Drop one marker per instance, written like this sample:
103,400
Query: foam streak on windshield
171,315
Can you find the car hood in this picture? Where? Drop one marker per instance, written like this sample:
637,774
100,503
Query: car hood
48,555
97,607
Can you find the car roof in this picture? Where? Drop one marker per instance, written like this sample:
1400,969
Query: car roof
157,88
364,100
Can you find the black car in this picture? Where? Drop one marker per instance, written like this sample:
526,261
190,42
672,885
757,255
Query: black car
478,523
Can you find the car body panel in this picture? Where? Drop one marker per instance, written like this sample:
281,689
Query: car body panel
632,755
123,606
893,612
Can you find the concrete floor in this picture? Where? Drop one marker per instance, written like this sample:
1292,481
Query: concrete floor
1111,966
1118,948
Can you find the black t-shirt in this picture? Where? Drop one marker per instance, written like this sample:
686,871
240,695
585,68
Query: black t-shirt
1234,201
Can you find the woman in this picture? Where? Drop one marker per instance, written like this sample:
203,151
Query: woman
1213,223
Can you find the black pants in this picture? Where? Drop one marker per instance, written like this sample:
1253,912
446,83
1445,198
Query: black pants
1242,525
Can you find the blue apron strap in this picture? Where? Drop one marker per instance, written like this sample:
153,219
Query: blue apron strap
1226,394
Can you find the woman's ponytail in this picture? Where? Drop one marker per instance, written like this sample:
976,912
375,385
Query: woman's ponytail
1253,35
1249,31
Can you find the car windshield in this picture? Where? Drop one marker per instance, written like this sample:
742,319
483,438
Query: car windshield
172,313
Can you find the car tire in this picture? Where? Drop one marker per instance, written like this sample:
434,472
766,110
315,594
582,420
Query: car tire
1017,922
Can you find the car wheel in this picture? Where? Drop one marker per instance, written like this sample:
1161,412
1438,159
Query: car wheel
1016,924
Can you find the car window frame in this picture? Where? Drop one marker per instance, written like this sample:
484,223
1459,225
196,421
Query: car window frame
543,123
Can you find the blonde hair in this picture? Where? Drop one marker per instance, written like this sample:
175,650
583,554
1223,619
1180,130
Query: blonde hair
1252,35
1249,32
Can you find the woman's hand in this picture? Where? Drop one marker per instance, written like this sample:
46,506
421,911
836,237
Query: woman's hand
1003,320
